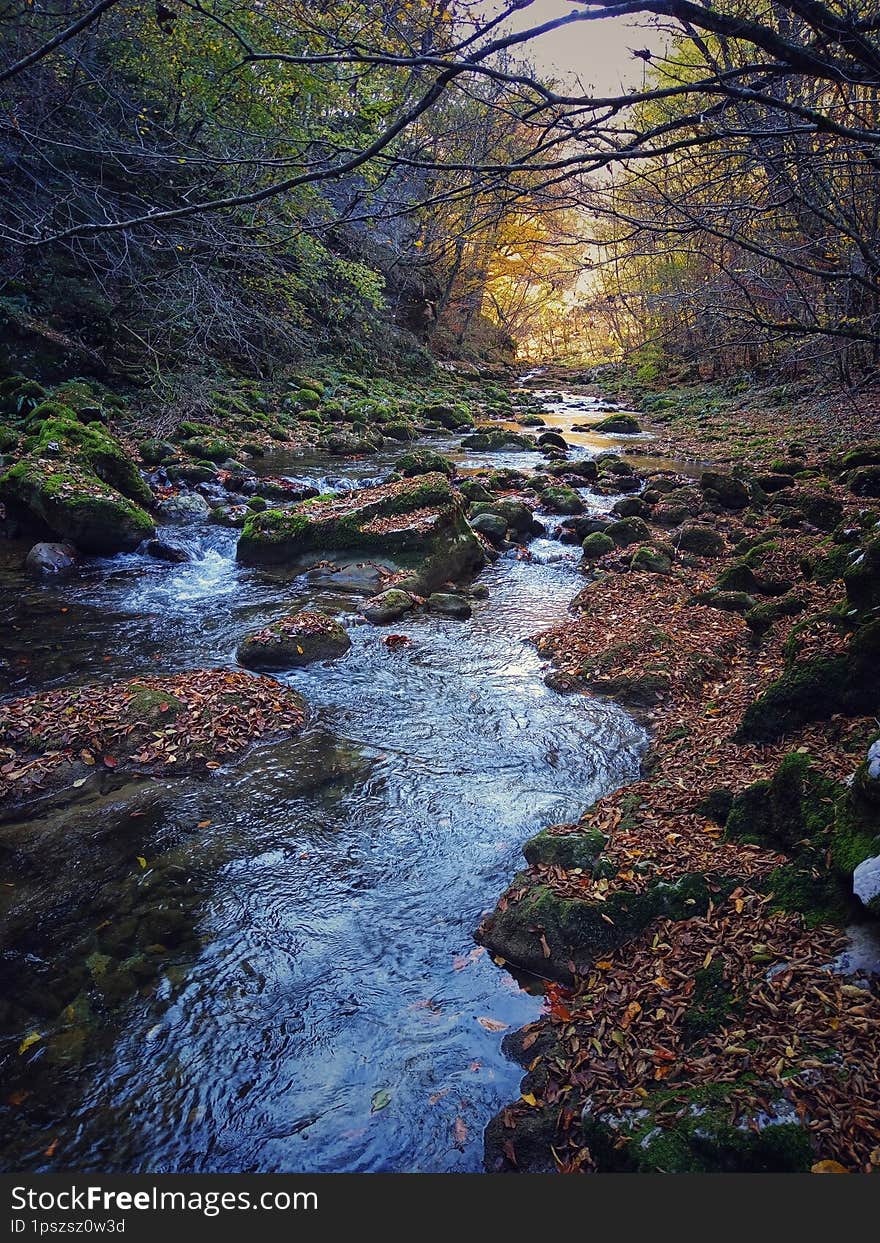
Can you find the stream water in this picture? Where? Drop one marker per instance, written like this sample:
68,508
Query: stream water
328,1010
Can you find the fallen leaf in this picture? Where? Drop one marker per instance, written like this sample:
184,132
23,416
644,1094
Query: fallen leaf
492,1025
29,1040
380,1100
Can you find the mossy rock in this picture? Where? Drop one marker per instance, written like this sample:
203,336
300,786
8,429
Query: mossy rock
862,578
156,452
651,560
618,424
861,455
293,642
424,462
76,505
822,512
561,500
628,531
597,545
497,439
697,1137
760,618
817,689
741,576
727,491
865,481
701,540
9,439
612,464
516,514
90,446
418,522
473,490
207,449
566,850
576,931
727,601
308,398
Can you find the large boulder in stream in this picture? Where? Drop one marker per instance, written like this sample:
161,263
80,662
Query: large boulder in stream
419,523
294,641
79,481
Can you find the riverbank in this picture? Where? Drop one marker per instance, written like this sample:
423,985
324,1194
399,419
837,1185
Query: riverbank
712,1013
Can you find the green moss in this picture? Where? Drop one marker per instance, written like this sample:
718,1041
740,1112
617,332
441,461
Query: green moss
862,578
92,446
762,616
566,850
597,545
811,892
712,1003
651,560
817,689
424,462
576,931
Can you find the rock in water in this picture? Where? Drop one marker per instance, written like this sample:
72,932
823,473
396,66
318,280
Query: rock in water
165,552
388,606
866,884
419,523
449,604
294,641
45,558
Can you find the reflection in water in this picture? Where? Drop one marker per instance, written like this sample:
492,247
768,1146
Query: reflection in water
330,1018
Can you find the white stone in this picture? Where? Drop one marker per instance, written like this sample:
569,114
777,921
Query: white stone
866,880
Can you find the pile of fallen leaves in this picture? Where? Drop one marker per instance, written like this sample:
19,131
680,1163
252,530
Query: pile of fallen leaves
308,622
797,1032
184,722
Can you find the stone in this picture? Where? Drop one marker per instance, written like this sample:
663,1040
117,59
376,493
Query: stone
417,523
165,552
629,531
294,641
729,492
185,506
597,545
652,560
365,578
866,884
449,604
619,425
703,541
631,507
47,559
493,526
388,606
552,440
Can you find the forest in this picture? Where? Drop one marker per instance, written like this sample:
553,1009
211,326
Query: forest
440,586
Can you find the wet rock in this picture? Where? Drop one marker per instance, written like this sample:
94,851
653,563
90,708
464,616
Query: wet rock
561,500
473,490
423,462
449,604
618,424
418,522
552,440
492,525
183,507
365,578
515,514
612,464
294,641
157,452
388,606
495,439
49,559
670,515
631,507
774,482
163,551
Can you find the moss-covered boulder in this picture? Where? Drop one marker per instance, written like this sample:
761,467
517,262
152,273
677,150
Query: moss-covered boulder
74,504
760,618
536,929
651,560
388,606
515,514
424,462
61,435
419,523
618,424
497,439
862,577
701,540
628,531
294,641
865,481
817,689
597,545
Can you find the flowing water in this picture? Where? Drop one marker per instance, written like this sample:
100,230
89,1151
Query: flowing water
327,1008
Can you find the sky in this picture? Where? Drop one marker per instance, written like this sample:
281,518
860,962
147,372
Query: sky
597,52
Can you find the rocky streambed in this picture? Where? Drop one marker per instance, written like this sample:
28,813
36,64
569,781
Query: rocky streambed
238,917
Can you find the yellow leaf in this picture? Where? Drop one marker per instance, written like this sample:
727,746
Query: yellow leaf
529,1098
30,1039
142,861
828,1167
299,649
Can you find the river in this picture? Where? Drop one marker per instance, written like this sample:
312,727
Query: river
328,1009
